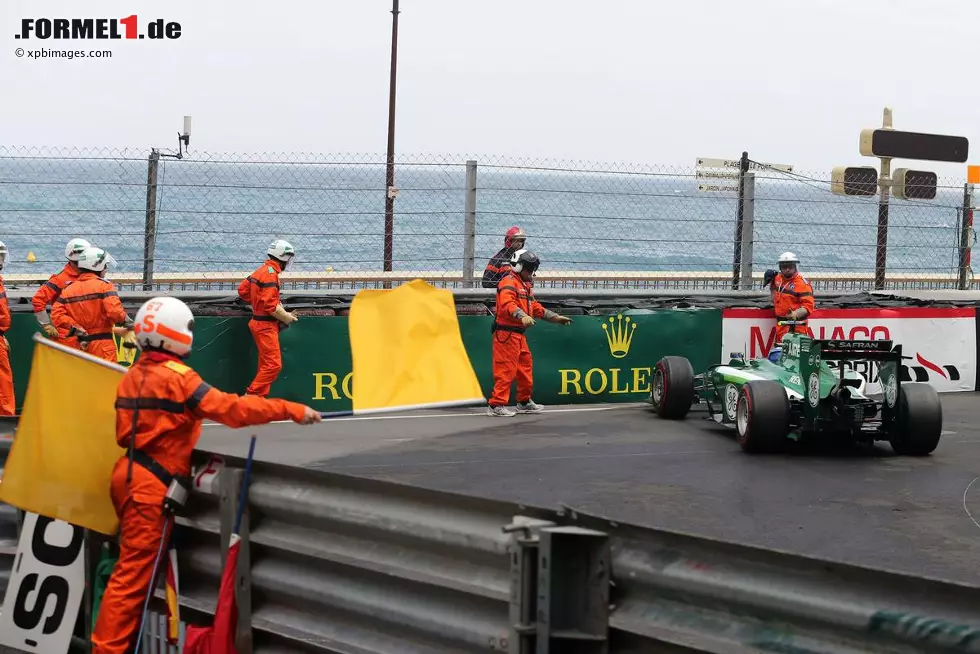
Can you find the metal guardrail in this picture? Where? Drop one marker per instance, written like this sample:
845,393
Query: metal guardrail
650,281
332,563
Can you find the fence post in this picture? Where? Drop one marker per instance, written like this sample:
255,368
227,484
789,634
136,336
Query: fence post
966,238
469,228
150,229
748,231
737,257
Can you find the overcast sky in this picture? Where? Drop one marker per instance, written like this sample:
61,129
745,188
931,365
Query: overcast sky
645,81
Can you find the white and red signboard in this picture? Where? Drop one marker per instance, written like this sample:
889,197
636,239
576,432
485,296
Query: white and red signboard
46,587
939,344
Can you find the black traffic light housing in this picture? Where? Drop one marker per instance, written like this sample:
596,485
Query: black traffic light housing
914,184
854,180
895,144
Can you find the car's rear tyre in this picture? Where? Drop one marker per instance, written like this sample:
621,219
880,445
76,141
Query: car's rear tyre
762,416
672,388
919,422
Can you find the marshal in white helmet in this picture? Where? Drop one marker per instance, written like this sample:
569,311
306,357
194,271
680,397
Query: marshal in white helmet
95,260
75,248
165,324
282,251
792,293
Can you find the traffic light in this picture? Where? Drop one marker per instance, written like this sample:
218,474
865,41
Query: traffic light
914,184
854,180
914,145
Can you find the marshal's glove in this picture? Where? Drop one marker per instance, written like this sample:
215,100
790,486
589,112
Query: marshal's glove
50,330
768,277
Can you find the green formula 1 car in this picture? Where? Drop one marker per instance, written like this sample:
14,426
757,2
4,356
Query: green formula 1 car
798,395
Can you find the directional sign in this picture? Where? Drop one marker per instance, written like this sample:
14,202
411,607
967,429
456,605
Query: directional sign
709,162
718,187
710,174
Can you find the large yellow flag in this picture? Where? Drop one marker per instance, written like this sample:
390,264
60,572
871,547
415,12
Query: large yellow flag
61,460
407,352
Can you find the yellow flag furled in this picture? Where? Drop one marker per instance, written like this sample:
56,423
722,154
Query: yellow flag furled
407,351
61,460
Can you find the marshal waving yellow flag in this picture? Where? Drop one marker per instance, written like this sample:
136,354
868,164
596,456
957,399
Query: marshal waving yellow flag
407,352
61,460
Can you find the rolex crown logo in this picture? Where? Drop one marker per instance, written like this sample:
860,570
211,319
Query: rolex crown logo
619,334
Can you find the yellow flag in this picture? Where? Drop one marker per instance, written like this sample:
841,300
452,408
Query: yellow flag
407,352
61,460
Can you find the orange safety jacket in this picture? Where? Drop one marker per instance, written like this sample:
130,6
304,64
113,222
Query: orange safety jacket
791,294
514,293
4,310
160,405
51,289
90,303
261,290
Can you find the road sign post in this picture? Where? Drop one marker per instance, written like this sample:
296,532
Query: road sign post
739,221
966,239
735,169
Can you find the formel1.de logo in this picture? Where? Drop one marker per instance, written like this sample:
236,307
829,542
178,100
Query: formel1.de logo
97,28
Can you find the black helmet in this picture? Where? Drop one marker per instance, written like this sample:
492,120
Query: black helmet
524,260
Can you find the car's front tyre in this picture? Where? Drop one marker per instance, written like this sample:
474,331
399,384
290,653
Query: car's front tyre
672,388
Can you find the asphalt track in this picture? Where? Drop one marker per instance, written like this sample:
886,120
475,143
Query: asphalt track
859,505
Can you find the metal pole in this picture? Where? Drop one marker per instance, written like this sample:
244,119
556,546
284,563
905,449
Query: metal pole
748,232
884,183
150,229
966,238
469,227
390,172
737,257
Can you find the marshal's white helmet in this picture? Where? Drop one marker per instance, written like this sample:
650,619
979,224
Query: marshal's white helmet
165,323
75,248
95,259
788,257
3,254
281,250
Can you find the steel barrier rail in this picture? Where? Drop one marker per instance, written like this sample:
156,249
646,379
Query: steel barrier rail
332,563
644,280
340,564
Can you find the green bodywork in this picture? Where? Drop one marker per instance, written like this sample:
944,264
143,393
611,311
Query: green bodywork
810,382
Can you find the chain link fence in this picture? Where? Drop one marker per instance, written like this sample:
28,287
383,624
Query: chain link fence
213,215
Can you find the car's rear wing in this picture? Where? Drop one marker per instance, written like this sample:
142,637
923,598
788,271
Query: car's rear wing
860,350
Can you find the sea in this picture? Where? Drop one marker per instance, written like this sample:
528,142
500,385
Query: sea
221,213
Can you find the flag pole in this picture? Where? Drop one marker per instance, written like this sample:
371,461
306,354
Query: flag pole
405,407
243,493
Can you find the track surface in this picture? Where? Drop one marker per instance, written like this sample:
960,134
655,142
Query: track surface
862,506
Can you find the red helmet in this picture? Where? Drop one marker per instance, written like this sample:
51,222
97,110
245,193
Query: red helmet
512,233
